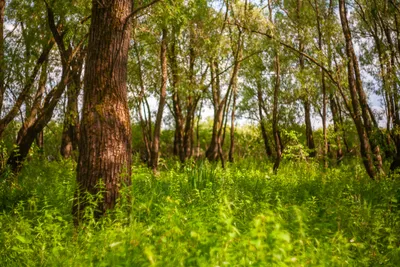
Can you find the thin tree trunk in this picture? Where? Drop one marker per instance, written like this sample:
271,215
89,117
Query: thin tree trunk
336,127
38,103
275,130
212,152
198,154
105,152
176,109
323,85
35,123
264,135
232,131
163,94
191,104
70,135
306,100
2,63
146,134
366,151
25,91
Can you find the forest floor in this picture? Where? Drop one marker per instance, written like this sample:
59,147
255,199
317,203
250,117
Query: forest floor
202,215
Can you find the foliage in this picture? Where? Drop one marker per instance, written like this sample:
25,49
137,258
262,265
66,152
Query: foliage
202,215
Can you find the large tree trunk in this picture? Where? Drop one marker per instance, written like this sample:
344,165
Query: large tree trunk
105,152
163,94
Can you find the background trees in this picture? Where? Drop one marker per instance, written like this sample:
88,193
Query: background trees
319,80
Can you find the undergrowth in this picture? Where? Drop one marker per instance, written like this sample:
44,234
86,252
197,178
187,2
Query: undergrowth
202,215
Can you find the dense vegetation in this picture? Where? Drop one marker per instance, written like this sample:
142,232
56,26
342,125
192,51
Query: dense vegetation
201,215
199,132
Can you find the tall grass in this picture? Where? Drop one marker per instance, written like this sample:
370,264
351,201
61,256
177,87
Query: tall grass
202,215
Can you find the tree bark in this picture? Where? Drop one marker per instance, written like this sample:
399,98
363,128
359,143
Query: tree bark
163,94
232,130
264,134
105,152
212,152
275,130
191,105
336,127
70,134
145,121
306,99
28,85
35,123
323,85
366,151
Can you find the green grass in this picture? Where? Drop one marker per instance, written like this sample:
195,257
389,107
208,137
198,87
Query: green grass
201,215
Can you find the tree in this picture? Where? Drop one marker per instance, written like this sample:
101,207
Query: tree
105,143
155,147
361,114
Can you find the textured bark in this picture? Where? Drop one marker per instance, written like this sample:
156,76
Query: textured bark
163,94
105,152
